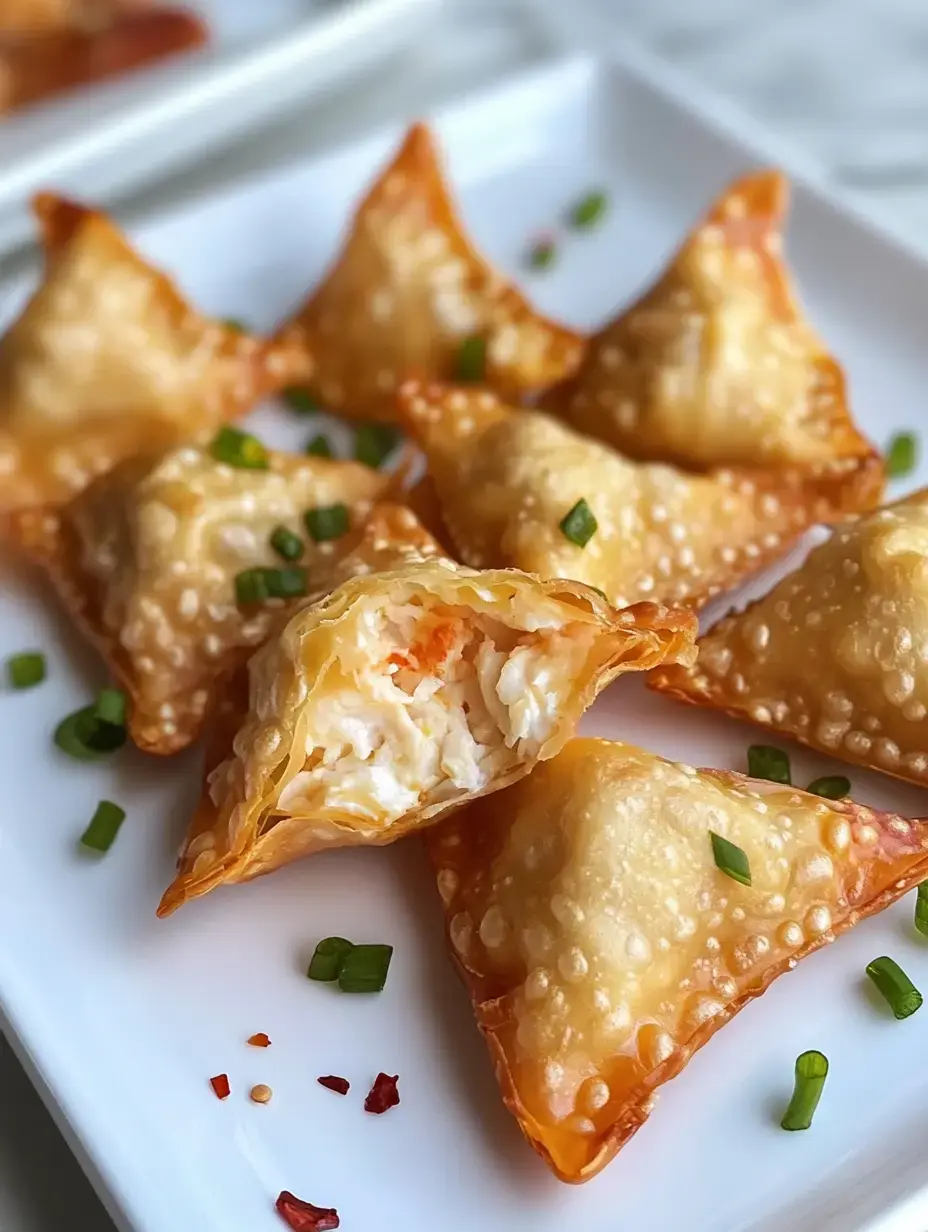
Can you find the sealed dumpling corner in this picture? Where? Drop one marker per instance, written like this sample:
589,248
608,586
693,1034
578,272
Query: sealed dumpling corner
857,609
716,364
402,695
107,358
410,295
164,564
601,943
520,488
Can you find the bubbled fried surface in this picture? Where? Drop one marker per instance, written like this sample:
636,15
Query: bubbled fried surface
407,289
506,478
716,364
602,946
107,358
146,559
858,609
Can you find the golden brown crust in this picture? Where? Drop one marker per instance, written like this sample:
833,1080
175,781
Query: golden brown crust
407,289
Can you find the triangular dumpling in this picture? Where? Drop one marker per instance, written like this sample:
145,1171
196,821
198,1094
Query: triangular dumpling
506,480
146,560
107,358
602,945
406,292
858,610
716,364
399,697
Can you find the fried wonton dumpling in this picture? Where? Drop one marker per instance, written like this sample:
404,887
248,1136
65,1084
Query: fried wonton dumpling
716,364
399,697
146,558
107,358
30,17
507,478
408,288
602,946
858,610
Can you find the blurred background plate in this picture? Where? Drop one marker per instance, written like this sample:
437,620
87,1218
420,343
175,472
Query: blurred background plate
263,59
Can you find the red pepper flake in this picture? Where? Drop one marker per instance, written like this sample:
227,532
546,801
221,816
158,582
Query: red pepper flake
220,1085
303,1216
259,1041
383,1094
334,1083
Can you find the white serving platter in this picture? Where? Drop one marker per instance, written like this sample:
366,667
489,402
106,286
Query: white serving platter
121,1019
263,59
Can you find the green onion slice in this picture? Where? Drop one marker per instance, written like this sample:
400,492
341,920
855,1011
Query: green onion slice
110,707
374,443
236,324
579,525
25,670
300,400
542,254
251,587
85,737
811,1072
327,959
901,455
831,786
588,210
471,362
364,968
765,761
258,584
104,826
320,447
286,544
327,522
901,994
921,909
730,859
239,449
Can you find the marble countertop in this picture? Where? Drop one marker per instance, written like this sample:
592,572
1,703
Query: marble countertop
844,80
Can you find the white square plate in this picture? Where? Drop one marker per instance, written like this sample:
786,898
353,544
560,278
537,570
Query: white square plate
123,1018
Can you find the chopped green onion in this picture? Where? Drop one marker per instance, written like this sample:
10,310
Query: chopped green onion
542,254
901,455
327,522
110,707
239,449
320,447
588,210
831,786
730,859
471,360
767,762
374,443
300,400
104,826
251,587
236,324
364,968
327,959
26,670
286,544
900,993
258,585
811,1072
921,909
579,525
85,737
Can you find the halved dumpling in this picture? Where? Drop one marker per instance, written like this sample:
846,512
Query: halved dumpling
107,359
399,697
405,293
716,364
858,610
507,480
146,560
602,945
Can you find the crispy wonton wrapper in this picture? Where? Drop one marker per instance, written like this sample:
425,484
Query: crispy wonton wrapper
858,610
42,55
408,288
145,559
716,364
601,945
107,358
402,695
507,478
